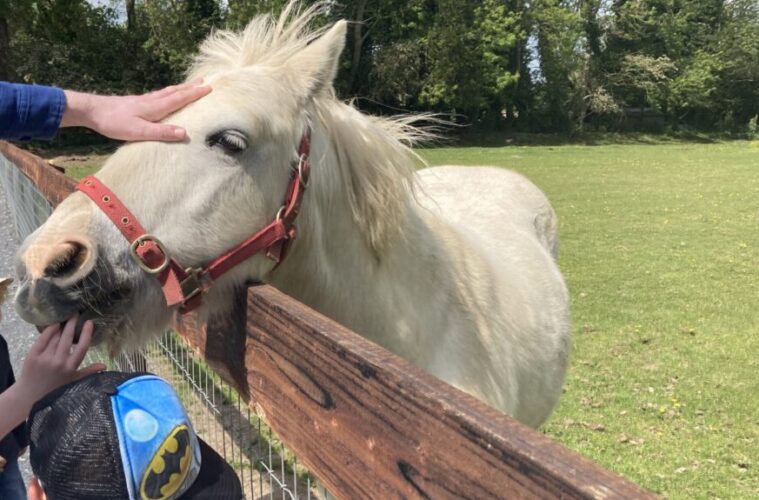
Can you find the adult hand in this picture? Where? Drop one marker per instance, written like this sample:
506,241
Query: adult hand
54,360
2,463
132,118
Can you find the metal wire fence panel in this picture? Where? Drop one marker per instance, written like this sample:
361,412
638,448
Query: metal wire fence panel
221,418
28,207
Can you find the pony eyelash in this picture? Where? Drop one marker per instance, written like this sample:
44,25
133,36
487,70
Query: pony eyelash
232,141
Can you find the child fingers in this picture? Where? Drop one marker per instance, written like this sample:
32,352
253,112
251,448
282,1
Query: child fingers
44,339
67,337
34,491
80,350
52,346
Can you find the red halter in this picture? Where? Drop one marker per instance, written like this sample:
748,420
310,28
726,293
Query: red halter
185,286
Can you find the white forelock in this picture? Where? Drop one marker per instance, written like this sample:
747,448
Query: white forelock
266,40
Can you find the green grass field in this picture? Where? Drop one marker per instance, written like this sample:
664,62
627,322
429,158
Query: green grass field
660,250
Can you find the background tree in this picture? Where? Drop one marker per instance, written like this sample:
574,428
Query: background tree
5,40
68,43
240,12
562,65
737,50
175,28
469,50
131,15
536,66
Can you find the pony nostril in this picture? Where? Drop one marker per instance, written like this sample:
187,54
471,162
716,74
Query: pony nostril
70,258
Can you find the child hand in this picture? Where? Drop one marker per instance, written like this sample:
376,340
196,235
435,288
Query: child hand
34,491
52,362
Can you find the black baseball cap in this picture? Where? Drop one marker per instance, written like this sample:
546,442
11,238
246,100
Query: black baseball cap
115,435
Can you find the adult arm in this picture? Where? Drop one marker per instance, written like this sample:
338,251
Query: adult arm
30,111
36,112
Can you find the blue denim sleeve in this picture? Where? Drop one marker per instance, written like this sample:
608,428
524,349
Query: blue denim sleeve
30,111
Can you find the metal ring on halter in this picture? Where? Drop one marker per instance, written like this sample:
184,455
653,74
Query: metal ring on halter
303,181
280,212
140,241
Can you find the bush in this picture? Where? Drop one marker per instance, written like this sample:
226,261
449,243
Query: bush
753,127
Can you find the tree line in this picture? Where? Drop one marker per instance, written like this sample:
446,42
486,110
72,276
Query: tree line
518,65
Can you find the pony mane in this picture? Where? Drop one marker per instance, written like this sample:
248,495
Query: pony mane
375,158
376,164
264,40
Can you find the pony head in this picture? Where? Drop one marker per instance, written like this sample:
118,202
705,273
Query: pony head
200,197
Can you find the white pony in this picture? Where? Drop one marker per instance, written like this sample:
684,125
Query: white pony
451,268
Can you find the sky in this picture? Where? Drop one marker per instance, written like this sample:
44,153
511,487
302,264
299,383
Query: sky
118,5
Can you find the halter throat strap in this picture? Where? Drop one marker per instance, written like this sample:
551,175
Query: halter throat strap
185,286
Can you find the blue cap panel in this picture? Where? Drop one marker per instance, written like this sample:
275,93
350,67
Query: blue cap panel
159,449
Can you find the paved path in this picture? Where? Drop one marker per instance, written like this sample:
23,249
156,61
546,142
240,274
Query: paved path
17,333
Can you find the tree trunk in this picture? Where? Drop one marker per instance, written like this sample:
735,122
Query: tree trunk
131,16
358,42
5,64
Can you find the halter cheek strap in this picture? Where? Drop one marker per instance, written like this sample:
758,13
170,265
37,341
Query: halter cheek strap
185,286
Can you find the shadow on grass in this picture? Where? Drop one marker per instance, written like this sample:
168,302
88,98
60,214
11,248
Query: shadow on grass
472,138
78,152
53,151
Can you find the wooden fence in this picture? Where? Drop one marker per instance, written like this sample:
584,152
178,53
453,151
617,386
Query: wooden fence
366,422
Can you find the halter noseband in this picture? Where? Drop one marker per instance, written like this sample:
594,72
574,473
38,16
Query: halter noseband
185,286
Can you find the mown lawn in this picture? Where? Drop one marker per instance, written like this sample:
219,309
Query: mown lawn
660,250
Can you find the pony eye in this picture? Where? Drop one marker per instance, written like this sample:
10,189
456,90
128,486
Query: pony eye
232,141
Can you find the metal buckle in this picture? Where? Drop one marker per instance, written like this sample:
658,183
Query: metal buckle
140,241
192,285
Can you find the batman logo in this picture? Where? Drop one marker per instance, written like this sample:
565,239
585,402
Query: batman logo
169,466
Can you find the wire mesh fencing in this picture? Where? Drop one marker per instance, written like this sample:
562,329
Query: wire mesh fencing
222,419
29,208
266,468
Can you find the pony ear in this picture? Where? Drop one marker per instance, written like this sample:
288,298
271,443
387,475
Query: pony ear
315,67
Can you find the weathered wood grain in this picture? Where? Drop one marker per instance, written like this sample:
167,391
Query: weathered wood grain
371,425
53,185
366,422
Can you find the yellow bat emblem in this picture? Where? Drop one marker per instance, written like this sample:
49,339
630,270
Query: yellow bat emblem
169,466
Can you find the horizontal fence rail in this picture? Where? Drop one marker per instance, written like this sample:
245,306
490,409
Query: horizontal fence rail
366,422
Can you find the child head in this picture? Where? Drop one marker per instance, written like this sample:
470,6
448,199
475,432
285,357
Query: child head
123,435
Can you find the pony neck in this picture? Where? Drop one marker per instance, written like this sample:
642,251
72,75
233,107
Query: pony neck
358,210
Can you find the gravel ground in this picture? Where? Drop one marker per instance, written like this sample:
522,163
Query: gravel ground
17,333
